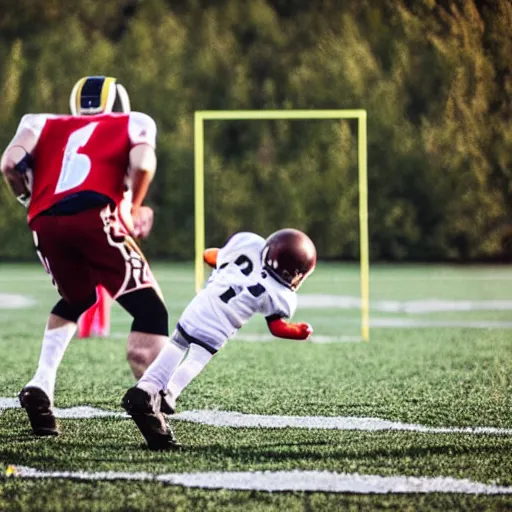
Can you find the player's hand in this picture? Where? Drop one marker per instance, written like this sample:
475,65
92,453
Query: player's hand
19,176
305,331
142,221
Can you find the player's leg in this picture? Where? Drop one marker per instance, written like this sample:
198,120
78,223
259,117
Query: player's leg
164,369
150,327
194,363
120,266
38,395
174,370
147,340
59,331
158,374
144,401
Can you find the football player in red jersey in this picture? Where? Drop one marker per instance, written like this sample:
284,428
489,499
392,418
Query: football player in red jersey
71,173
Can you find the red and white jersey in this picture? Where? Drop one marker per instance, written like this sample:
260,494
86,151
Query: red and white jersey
83,153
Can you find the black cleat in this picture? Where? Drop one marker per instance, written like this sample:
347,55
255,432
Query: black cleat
145,411
167,405
38,406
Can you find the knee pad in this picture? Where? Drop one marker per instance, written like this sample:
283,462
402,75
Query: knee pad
73,311
148,311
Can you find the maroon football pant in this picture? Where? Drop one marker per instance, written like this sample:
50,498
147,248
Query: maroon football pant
89,248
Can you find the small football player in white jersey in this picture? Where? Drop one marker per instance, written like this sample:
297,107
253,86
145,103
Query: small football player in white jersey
251,275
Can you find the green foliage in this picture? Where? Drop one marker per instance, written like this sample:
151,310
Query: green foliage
435,79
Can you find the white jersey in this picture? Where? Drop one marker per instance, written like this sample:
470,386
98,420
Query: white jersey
236,290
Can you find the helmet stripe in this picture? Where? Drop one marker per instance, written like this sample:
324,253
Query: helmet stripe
96,95
78,94
106,93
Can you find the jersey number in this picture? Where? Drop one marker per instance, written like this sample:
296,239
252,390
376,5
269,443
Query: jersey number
75,166
246,267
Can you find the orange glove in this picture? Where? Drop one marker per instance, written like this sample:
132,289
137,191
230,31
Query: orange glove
210,257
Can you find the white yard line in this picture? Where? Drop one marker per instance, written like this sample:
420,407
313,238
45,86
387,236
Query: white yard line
240,420
420,306
78,412
399,278
275,481
232,419
404,323
15,301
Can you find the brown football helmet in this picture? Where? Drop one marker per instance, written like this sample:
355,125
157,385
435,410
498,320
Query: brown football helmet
289,256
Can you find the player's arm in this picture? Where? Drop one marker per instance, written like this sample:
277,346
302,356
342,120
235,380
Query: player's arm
16,161
142,168
281,328
210,256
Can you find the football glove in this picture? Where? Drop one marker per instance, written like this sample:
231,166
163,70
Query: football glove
282,329
21,180
210,257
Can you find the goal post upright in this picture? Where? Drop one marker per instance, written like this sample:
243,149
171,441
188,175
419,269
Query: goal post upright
200,116
199,213
364,252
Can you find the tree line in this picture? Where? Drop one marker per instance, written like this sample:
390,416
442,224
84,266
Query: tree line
434,76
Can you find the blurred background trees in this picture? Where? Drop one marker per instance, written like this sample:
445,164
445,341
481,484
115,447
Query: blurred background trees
434,76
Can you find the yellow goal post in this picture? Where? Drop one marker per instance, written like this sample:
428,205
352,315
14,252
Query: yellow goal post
201,116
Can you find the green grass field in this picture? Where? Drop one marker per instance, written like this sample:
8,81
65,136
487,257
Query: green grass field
450,366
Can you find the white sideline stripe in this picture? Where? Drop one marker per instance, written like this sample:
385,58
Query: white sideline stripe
375,278
241,420
80,412
15,301
275,481
232,419
426,324
421,306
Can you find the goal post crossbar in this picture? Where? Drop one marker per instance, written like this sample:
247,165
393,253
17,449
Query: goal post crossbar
201,116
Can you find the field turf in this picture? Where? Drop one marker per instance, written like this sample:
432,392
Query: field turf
444,372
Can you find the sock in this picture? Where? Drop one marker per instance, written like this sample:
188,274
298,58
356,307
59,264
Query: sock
55,342
159,372
197,358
